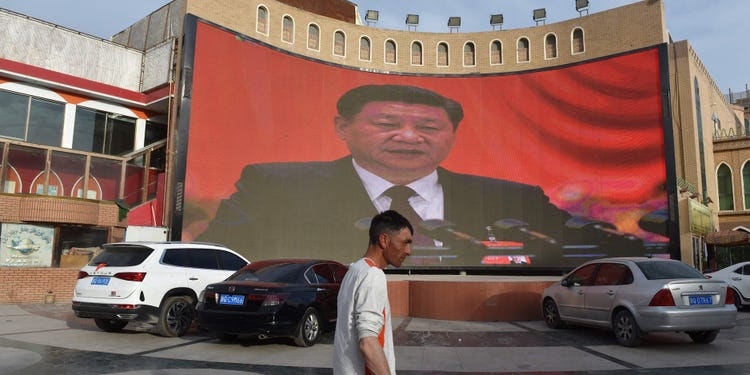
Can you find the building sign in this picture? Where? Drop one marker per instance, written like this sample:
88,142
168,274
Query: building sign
23,245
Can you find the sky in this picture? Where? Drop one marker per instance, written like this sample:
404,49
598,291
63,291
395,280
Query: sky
716,29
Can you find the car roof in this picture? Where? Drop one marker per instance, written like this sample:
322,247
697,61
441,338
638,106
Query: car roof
261,263
165,244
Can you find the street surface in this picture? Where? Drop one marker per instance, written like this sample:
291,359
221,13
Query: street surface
49,339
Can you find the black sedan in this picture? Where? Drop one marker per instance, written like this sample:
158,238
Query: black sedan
274,298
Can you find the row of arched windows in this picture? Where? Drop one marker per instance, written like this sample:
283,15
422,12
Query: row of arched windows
523,51
726,188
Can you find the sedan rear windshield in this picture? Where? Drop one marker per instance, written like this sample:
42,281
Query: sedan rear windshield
124,256
289,273
657,270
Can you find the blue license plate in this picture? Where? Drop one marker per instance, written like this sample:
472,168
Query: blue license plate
100,280
231,299
700,300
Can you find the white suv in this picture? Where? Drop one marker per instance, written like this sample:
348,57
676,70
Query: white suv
150,282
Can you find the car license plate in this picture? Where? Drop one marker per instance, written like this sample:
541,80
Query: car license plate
700,300
231,299
100,280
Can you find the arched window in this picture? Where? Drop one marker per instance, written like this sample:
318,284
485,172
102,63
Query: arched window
746,184
416,53
313,37
578,45
261,24
496,52
522,52
287,29
390,51
442,54
469,54
724,181
364,48
550,46
339,43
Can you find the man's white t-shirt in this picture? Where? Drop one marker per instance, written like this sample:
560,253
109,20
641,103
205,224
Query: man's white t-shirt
363,311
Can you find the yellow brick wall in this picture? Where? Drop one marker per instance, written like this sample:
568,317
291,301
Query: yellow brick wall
634,26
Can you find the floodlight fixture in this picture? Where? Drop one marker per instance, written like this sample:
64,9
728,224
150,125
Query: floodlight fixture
454,23
371,16
412,20
582,6
540,15
496,20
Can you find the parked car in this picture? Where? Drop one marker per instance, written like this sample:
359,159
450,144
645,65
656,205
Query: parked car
738,278
155,283
274,298
634,296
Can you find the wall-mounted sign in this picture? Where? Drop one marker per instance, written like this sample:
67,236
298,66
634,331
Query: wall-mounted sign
24,245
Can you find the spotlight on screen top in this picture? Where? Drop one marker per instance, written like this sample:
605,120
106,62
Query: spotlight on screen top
412,20
540,15
496,20
454,23
582,6
371,16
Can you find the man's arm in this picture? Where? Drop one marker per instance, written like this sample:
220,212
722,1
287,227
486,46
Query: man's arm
374,355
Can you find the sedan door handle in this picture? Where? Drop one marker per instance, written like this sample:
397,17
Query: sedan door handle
611,292
193,278
580,291
736,278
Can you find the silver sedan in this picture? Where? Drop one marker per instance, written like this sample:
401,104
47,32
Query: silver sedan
633,296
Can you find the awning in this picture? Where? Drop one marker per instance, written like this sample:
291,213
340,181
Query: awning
728,238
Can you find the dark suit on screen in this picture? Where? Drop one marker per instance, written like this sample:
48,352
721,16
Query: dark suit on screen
309,208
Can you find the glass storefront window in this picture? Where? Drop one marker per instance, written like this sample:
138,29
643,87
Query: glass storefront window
69,168
45,122
154,132
134,182
101,132
28,163
31,119
107,172
13,110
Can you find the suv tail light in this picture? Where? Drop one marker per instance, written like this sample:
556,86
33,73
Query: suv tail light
131,276
730,297
82,274
662,298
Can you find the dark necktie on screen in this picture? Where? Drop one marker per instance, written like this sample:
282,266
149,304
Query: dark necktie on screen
400,203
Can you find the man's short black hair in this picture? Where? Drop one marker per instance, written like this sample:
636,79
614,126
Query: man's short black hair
387,222
353,100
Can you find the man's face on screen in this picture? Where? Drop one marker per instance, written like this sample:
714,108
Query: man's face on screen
398,141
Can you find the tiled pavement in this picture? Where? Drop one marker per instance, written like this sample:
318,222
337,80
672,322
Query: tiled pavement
48,339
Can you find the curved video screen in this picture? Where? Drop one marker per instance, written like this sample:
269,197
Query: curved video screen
288,156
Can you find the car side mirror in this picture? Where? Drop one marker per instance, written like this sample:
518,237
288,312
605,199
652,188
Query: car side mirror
564,282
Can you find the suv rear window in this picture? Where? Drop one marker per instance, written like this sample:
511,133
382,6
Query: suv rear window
122,256
656,270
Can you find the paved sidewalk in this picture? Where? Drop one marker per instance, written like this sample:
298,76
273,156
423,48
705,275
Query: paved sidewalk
49,339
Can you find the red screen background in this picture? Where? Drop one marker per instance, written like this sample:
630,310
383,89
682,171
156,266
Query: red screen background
591,135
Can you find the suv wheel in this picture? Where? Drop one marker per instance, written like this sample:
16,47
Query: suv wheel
175,316
110,325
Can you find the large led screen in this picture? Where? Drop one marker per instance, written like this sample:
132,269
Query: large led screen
288,156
